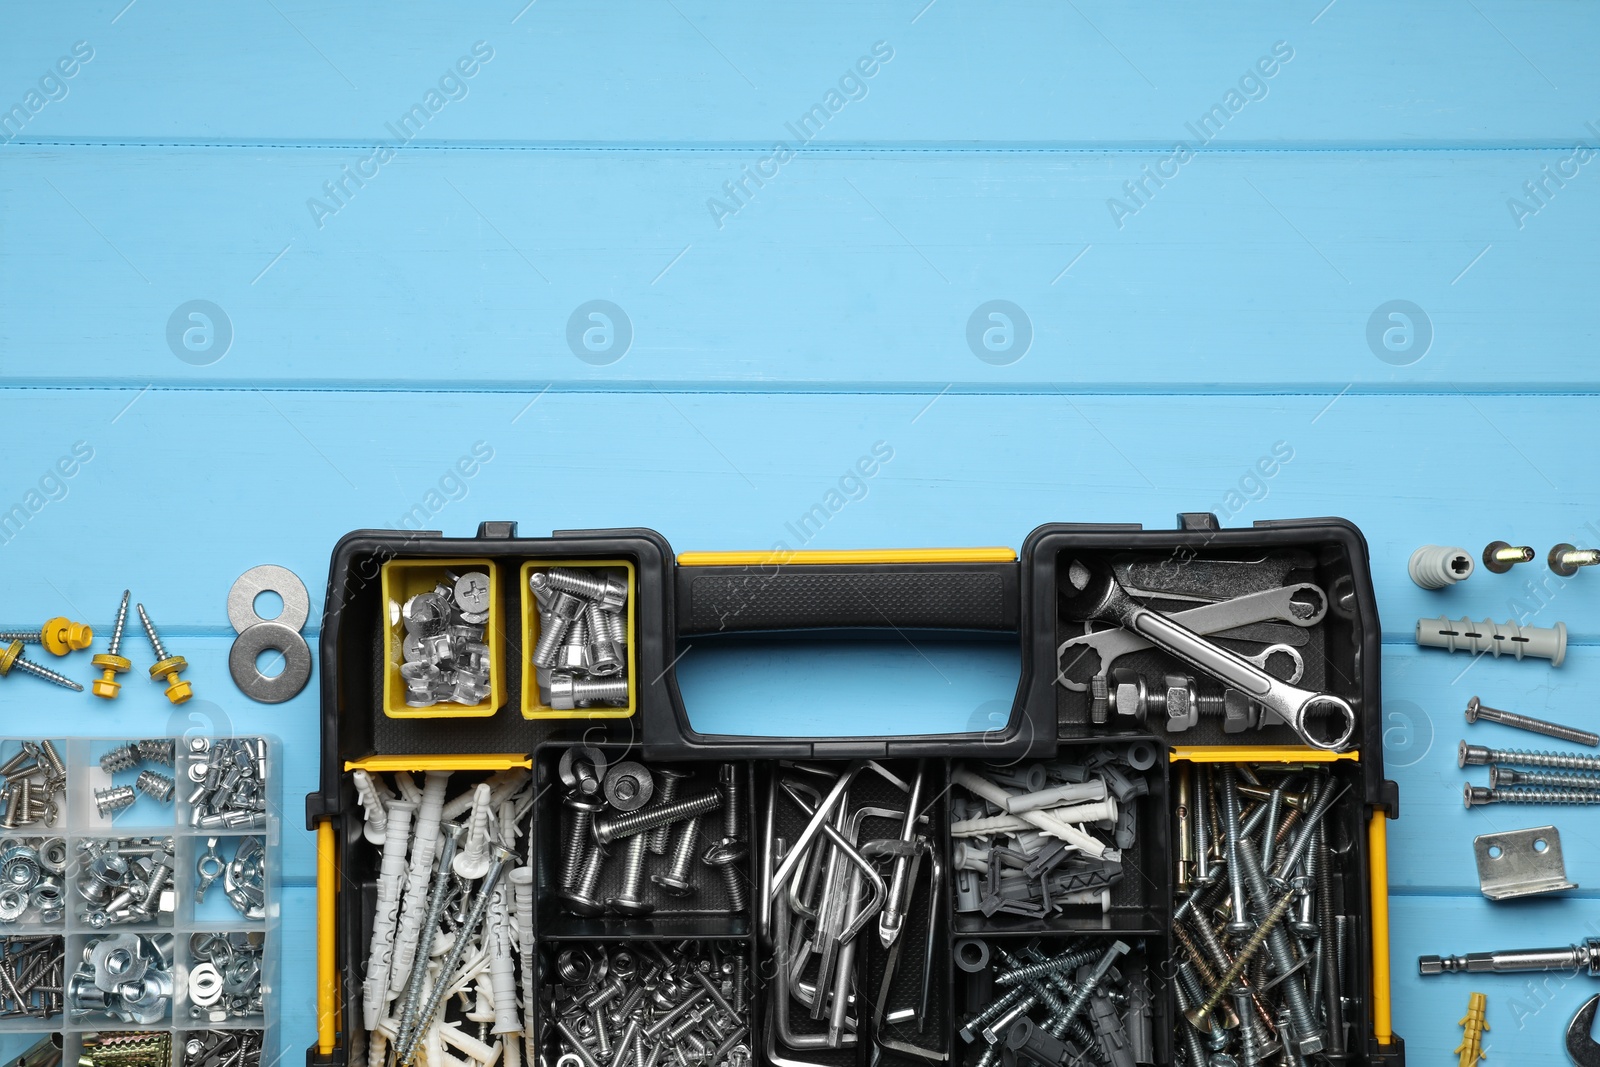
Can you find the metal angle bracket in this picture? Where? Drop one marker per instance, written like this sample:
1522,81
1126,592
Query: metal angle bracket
1520,863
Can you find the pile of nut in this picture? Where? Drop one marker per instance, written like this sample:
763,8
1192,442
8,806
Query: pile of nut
230,783
683,1004
446,660
1033,839
31,872
219,1048
126,880
35,776
132,756
244,876
225,976
123,976
581,657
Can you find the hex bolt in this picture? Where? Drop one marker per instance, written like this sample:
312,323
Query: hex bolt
581,811
1500,557
1565,559
1479,756
111,662
1476,711
620,826
725,856
110,801
166,667
628,902
1476,795
155,786
676,881
12,656
666,791
1506,776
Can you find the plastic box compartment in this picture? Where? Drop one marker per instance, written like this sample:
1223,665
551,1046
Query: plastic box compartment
405,578
871,790
1138,903
79,822
533,706
704,914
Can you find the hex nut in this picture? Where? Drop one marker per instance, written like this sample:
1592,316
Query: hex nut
1238,712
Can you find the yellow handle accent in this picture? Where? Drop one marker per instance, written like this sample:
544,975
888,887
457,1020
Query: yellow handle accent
460,762
1258,754
327,918
1378,847
817,557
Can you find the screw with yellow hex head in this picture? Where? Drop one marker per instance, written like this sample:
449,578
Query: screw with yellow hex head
167,667
1473,1026
111,662
59,636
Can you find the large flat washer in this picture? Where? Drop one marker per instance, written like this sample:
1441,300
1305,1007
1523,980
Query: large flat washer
256,640
268,578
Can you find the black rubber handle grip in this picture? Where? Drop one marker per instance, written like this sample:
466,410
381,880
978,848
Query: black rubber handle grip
903,596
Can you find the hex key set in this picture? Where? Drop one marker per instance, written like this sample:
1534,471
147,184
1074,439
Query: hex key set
1172,851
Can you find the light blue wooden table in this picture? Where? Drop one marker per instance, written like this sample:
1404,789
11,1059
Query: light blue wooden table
399,220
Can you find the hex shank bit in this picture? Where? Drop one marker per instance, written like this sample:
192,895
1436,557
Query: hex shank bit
1584,957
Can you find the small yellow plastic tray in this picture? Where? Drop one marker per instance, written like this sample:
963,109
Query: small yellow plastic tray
532,707
405,578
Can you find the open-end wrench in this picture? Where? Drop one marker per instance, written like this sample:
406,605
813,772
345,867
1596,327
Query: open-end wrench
1581,1045
1302,604
1090,590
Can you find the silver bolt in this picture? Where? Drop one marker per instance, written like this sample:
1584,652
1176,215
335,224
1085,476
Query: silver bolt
1565,559
666,792
620,826
567,692
1506,776
610,591
627,902
1476,795
1479,756
676,880
726,855
581,811
580,899
1238,919
1477,710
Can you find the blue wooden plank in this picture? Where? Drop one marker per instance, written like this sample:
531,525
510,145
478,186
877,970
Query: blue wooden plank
1247,272
1035,73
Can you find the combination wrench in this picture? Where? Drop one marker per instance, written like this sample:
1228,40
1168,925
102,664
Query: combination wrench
1302,604
1091,591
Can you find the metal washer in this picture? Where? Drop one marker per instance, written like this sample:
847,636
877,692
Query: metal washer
268,578
255,640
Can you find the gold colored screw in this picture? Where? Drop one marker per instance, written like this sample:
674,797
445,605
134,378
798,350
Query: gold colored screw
1200,1018
1473,1026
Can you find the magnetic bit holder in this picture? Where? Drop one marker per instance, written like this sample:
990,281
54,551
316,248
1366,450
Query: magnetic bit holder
1521,863
1496,639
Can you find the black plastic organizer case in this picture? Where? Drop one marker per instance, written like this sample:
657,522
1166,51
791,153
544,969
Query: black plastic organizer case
1052,729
